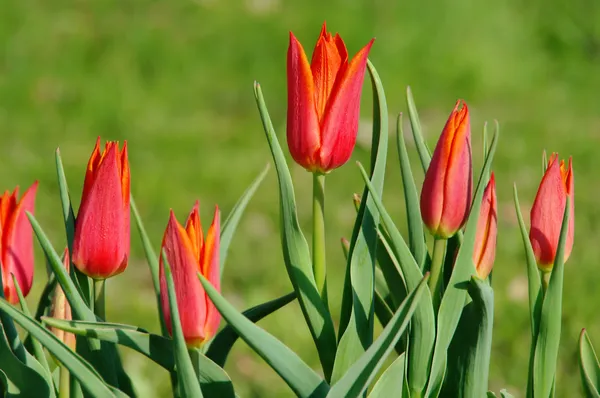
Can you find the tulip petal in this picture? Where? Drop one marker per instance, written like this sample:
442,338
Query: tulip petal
546,215
92,167
193,229
484,251
190,294
570,186
101,241
210,269
17,246
340,124
303,133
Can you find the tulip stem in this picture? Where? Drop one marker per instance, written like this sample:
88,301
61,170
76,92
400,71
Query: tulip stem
319,265
437,262
99,290
64,383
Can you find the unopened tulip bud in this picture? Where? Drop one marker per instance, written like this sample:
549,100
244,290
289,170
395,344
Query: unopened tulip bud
484,251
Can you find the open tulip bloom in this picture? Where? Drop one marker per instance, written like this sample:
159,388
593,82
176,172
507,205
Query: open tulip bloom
416,303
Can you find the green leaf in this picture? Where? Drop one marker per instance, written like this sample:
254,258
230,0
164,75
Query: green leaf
548,339
221,345
357,317
415,123
390,383
186,376
453,302
589,366
359,376
416,233
83,283
491,394
296,254
469,352
422,332
12,336
505,394
230,225
213,380
391,269
298,375
88,377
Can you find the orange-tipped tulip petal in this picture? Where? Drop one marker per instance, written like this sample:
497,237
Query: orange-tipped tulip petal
16,244
446,193
101,242
188,253
547,212
323,102
484,251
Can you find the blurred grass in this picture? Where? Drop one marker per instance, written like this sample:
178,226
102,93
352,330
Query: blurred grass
174,78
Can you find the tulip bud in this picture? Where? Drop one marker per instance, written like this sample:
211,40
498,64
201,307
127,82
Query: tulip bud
548,210
323,102
446,193
61,309
484,251
101,242
188,253
16,245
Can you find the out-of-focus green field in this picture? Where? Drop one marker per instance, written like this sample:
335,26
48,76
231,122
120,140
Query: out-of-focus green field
174,78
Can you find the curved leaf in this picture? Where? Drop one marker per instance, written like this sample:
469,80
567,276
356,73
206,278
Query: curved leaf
390,383
359,376
422,149
296,255
221,345
298,375
356,325
589,366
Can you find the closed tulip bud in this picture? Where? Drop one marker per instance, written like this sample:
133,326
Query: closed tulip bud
101,242
61,309
446,193
484,251
323,102
189,252
548,210
16,245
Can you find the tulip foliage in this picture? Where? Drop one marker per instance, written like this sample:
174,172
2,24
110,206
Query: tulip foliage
430,288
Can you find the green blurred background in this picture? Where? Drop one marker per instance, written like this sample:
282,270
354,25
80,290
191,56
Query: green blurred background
174,78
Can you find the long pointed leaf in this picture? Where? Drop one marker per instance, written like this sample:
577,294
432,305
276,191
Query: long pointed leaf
296,253
422,149
453,302
548,339
360,375
390,383
221,345
357,334
298,375
589,366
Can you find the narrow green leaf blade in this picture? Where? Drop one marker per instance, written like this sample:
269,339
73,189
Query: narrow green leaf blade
422,149
230,225
359,376
296,254
357,334
298,375
221,345
453,302
187,380
416,233
548,339
213,380
390,383
589,366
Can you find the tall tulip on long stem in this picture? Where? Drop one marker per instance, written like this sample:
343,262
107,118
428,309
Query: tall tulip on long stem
322,123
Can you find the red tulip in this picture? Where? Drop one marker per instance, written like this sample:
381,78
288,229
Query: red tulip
61,309
446,193
323,102
188,253
16,244
548,210
101,242
484,251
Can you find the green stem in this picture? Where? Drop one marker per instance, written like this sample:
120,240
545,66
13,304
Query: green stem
545,280
99,290
319,265
64,383
437,262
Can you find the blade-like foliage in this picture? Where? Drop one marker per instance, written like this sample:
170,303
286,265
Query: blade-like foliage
589,366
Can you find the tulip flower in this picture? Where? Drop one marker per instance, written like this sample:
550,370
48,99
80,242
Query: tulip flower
323,102
16,244
446,193
484,251
61,309
189,252
101,242
548,210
